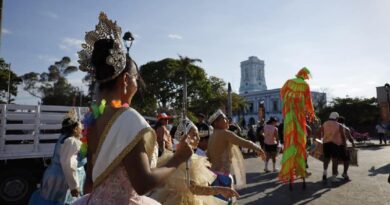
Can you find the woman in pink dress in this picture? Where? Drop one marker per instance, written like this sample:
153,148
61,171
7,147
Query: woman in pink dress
122,147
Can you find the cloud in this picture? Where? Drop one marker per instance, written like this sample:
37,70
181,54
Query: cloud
6,31
50,14
70,43
175,36
48,59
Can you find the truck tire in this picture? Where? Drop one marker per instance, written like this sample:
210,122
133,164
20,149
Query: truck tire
16,186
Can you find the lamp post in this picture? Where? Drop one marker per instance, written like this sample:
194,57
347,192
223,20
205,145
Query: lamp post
128,39
387,89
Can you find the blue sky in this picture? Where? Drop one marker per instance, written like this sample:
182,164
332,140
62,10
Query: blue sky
345,43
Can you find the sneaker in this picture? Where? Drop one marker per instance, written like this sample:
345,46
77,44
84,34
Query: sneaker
334,179
267,170
345,176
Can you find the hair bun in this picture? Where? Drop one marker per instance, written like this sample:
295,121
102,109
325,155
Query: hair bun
98,60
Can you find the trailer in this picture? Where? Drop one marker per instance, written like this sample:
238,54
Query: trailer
28,134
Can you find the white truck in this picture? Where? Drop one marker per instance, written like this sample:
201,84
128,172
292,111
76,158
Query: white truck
27,138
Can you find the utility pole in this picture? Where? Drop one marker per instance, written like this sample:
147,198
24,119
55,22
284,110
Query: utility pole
9,83
387,89
81,97
230,113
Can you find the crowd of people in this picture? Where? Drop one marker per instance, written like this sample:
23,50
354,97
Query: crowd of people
129,162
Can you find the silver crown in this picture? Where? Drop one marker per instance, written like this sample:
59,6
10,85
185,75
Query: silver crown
105,29
183,128
72,115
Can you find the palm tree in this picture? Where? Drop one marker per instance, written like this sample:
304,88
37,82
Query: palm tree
184,63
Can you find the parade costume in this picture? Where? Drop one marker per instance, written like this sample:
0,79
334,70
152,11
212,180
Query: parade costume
111,184
297,105
125,129
65,173
177,190
225,155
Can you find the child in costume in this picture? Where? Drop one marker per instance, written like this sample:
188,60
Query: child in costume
198,192
296,106
224,153
63,180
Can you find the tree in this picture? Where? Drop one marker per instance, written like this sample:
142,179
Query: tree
89,81
5,75
360,113
164,83
212,97
52,87
164,88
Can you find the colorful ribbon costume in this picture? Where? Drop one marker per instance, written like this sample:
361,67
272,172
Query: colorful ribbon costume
296,105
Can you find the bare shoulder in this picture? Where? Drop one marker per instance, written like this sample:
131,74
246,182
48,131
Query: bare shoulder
230,134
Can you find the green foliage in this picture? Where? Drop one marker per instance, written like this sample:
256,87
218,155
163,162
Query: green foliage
89,81
360,113
52,87
5,76
164,88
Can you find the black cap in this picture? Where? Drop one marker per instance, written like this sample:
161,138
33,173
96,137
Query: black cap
272,119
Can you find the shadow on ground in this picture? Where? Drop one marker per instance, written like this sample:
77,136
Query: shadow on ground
274,192
373,147
385,169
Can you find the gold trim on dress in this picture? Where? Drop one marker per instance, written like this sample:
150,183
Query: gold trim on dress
106,130
141,135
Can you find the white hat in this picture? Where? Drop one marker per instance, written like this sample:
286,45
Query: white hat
214,116
184,127
334,115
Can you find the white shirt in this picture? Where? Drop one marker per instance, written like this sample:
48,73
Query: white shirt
68,160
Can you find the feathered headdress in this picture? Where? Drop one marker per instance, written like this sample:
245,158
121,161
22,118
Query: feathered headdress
105,29
303,73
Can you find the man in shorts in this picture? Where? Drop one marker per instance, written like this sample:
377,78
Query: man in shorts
332,134
343,148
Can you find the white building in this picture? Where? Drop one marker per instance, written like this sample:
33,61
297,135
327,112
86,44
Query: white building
252,75
253,88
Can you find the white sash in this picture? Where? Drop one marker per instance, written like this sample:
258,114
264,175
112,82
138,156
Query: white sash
126,128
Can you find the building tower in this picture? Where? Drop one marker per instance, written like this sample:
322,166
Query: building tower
252,75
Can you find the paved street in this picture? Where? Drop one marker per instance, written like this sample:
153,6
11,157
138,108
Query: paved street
368,183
